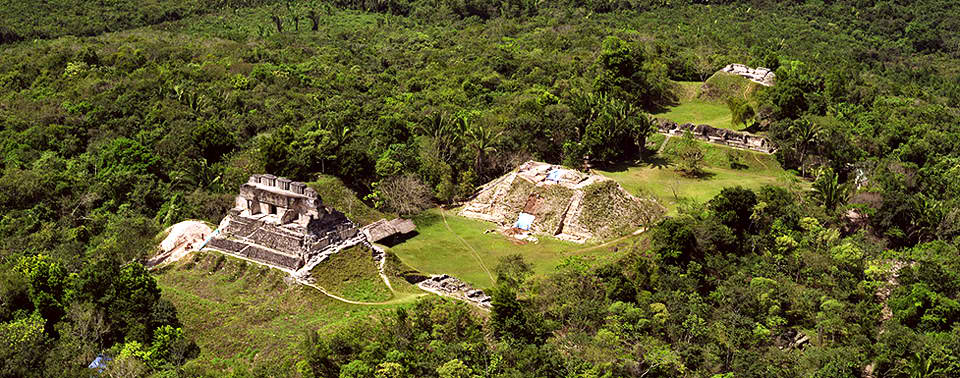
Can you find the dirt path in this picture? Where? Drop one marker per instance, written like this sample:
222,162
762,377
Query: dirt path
614,241
475,253
664,145
345,300
761,162
383,264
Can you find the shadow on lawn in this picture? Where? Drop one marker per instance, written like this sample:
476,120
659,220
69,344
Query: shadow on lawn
653,160
398,239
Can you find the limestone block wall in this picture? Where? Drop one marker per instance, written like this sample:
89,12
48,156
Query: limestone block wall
716,135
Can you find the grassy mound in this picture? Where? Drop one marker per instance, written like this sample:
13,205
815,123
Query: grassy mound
723,85
352,274
243,314
334,193
608,213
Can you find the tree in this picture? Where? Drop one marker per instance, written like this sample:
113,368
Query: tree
482,140
405,194
734,207
741,111
828,190
690,155
621,74
806,134
512,270
454,369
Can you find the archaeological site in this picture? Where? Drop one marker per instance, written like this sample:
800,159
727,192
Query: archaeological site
281,222
567,204
707,133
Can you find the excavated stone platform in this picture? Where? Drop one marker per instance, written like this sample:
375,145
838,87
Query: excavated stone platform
562,202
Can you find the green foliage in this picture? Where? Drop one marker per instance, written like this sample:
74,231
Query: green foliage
689,156
829,191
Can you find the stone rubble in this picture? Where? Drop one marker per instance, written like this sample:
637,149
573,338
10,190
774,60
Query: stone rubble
446,285
759,75
712,134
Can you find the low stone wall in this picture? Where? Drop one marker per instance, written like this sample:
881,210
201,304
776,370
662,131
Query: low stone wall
271,257
712,134
450,286
256,253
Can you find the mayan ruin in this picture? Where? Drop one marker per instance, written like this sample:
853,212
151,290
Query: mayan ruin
281,222
707,133
759,75
561,202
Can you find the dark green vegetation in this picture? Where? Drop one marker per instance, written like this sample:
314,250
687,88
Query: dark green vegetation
107,137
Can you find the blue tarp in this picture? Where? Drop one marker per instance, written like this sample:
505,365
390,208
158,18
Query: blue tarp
554,175
100,363
524,221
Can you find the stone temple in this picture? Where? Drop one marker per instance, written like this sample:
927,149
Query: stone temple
281,222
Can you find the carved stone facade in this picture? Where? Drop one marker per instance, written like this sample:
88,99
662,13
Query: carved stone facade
712,134
280,222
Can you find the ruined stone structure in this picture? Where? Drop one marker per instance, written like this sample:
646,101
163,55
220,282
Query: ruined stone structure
450,286
383,229
564,203
281,222
759,75
712,134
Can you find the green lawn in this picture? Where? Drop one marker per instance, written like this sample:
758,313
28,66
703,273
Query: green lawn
662,180
708,109
436,250
352,274
240,313
700,112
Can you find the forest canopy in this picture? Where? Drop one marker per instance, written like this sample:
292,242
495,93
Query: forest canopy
120,118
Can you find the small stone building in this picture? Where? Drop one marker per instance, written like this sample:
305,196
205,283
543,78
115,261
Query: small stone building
280,222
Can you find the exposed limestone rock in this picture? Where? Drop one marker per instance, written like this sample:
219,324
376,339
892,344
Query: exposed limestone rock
559,200
759,75
182,238
383,229
712,134
452,287
281,222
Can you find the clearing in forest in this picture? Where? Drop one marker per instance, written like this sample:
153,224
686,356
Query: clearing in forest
447,243
704,103
243,314
660,179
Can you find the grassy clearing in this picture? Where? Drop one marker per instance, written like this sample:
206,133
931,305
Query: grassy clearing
671,187
242,314
436,250
700,112
352,274
704,103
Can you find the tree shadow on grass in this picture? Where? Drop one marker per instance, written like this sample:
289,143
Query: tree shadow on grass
653,160
702,175
397,239
658,161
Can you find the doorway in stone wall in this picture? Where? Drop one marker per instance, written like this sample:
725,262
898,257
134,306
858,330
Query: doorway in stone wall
272,209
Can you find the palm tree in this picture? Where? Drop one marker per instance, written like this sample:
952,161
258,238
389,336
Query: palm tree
807,134
445,134
829,190
482,140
